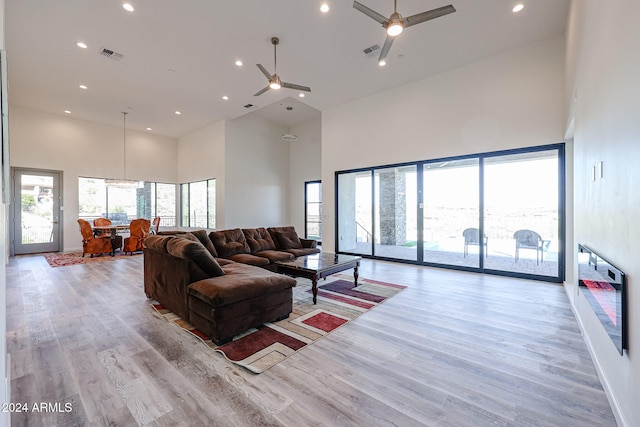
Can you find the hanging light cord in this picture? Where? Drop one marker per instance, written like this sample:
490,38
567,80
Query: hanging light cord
124,148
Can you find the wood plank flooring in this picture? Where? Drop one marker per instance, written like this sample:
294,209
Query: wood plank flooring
453,349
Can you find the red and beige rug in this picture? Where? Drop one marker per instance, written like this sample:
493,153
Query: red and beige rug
338,302
63,259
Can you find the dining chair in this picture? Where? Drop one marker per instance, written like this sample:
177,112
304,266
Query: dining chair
91,244
155,225
105,222
138,231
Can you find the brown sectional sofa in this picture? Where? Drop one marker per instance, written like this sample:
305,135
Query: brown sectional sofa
261,247
221,282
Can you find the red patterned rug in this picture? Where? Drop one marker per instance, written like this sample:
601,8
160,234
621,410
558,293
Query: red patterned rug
63,259
338,302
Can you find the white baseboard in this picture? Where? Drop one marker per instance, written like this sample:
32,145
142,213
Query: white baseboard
615,407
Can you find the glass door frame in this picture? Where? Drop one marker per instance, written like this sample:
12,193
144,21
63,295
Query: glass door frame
560,147
56,243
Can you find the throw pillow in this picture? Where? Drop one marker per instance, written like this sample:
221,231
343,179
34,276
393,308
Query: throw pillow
203,237
196,252
229,242
288,239
258,239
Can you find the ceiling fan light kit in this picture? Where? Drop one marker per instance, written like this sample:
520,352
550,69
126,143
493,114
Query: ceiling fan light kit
274,80
395,24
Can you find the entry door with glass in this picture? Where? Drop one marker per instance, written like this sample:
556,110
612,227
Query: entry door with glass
36,211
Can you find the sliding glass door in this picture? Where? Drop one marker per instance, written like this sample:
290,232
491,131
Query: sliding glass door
396,220
521,212
500,212
355,216
451,213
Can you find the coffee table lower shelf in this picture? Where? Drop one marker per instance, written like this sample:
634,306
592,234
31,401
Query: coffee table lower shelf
318,266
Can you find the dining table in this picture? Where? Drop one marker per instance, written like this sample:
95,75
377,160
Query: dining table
113,229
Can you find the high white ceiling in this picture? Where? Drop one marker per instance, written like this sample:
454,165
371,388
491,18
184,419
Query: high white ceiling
179,55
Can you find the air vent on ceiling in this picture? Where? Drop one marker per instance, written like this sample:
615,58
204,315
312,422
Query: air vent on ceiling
110,54
249,106
370,51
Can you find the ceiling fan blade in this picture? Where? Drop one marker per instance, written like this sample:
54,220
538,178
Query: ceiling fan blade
428,15
386,47
371,13
264,71
296,87
261,91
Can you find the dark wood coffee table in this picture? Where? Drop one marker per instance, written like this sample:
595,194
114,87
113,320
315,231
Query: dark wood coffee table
317,266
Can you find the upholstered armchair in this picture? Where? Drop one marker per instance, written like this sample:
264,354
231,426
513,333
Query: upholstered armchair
139,230
105,222
90,244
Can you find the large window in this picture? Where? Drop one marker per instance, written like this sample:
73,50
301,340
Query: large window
123,201
313,210
198,204
500,212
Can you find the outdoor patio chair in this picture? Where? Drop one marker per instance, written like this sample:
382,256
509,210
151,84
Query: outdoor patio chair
528,239
472,237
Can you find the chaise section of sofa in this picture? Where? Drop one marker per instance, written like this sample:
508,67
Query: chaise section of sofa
220,297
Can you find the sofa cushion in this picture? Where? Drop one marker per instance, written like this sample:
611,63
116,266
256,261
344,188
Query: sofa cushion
288,239
241,282
203,237
223,261
258,239
303,251
194,250
250,259
229,242
157,243
274,256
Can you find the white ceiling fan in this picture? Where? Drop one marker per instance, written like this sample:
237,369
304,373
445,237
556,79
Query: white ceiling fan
274,79
395,24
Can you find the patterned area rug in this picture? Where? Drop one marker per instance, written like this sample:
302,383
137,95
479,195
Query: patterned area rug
338,302
63,259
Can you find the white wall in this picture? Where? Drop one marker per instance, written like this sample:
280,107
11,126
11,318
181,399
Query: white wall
305,165
602,45
81,148
257,173
507,101
201,156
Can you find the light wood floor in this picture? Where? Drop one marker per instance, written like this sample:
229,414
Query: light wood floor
453,349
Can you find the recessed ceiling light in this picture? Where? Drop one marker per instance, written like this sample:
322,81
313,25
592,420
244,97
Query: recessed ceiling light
148,128
178,113
225,97
82,86
324,8
382,63
517,8
82,45
239,63
67,111
128,7
301,95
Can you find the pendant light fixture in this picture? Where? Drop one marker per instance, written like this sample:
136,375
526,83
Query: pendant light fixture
124,182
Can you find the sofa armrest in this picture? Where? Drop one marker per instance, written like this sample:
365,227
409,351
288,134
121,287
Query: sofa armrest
309,243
